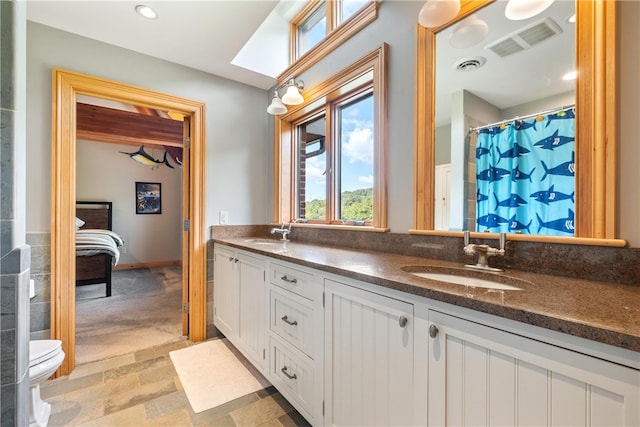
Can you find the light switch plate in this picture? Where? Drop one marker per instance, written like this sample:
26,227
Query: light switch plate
223,217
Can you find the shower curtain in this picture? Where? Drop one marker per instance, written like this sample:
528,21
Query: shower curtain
525,176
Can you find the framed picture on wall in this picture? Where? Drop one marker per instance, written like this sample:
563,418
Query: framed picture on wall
148,198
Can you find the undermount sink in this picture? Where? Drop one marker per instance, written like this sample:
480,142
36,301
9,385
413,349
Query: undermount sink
460,276
266,242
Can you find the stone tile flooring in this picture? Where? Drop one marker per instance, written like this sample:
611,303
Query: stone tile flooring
143,389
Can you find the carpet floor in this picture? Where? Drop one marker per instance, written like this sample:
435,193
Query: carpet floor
144,311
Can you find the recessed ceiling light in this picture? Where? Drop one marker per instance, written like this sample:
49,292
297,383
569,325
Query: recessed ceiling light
146,11
571,75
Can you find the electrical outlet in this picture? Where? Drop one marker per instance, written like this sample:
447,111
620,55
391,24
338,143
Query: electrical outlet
223,217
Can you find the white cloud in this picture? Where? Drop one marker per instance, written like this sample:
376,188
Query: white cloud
359,145
366,179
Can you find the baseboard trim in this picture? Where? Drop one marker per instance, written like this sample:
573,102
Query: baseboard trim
151,264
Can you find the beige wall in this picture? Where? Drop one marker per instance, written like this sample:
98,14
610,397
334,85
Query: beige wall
103,173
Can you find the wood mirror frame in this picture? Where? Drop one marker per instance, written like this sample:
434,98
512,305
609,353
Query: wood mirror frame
66,85
596,132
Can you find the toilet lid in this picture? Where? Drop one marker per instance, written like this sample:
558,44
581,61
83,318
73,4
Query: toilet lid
40,350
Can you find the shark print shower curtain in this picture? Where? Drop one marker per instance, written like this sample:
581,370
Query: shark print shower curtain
525,176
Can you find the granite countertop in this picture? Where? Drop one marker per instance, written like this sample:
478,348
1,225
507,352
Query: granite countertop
598,311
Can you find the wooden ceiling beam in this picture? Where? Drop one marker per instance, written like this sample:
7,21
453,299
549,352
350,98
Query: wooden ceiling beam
96,123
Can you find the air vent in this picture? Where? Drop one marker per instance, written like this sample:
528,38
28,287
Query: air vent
470,64
525,37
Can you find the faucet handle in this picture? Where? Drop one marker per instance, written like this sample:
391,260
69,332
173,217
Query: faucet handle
467,235
503,240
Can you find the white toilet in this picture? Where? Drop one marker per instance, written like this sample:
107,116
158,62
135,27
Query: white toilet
45,357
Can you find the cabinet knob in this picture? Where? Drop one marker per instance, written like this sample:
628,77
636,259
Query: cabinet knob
230,258
402,321
236,260
433,331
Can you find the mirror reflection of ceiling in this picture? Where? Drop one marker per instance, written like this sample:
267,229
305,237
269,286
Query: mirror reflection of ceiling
518,78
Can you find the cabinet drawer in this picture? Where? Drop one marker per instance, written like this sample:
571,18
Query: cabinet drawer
292,320
293,375
297,281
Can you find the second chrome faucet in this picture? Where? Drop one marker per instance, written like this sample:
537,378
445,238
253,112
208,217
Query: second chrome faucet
483,252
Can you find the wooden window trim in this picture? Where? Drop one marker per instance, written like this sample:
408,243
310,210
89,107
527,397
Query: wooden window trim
335,37
336,86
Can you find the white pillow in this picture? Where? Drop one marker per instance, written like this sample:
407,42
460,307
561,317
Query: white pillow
79,223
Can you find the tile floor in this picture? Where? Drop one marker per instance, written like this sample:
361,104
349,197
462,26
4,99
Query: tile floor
143,389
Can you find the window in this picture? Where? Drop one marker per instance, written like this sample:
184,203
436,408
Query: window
330,151
312,30
348,8
318,26
344,164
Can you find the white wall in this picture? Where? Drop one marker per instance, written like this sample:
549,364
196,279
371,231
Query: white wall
236,122
104,174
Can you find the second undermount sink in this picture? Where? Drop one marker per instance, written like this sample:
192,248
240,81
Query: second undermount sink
266,242
460,276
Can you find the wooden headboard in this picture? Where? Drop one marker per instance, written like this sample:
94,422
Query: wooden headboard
95,214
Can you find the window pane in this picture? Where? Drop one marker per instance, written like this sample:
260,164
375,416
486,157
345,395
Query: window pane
349,7
312,30
355,195
312,170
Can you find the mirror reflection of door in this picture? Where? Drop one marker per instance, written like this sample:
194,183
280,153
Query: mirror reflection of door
442,201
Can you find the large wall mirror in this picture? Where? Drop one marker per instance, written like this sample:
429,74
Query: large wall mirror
475,93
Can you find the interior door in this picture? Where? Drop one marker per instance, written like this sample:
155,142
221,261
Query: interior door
186,233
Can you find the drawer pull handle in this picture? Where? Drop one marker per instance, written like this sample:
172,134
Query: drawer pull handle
291,377
402,321
286,279
286,320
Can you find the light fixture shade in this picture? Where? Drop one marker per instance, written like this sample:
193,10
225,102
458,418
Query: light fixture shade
469,33
292,96
146,11
276,107
518,10
437,12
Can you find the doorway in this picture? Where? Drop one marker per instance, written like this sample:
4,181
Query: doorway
66,85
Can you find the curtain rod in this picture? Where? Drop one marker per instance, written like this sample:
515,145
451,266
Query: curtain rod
528,116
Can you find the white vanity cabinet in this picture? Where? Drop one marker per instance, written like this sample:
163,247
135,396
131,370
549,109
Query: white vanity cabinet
240,302
481,375
369,357
225,290
295,337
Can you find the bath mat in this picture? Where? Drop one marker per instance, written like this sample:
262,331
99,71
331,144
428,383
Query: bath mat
213,373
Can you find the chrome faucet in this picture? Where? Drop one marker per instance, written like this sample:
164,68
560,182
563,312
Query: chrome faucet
483,252
285,231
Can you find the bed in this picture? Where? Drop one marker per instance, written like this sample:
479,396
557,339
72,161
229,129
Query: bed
97,246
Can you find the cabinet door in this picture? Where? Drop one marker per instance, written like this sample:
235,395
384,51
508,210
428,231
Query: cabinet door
479,375
368,358
225,291
253,318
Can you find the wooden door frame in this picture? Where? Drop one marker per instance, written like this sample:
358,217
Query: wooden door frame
66,85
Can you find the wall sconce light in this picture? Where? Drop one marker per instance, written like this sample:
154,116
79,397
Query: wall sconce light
291,97
435,13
